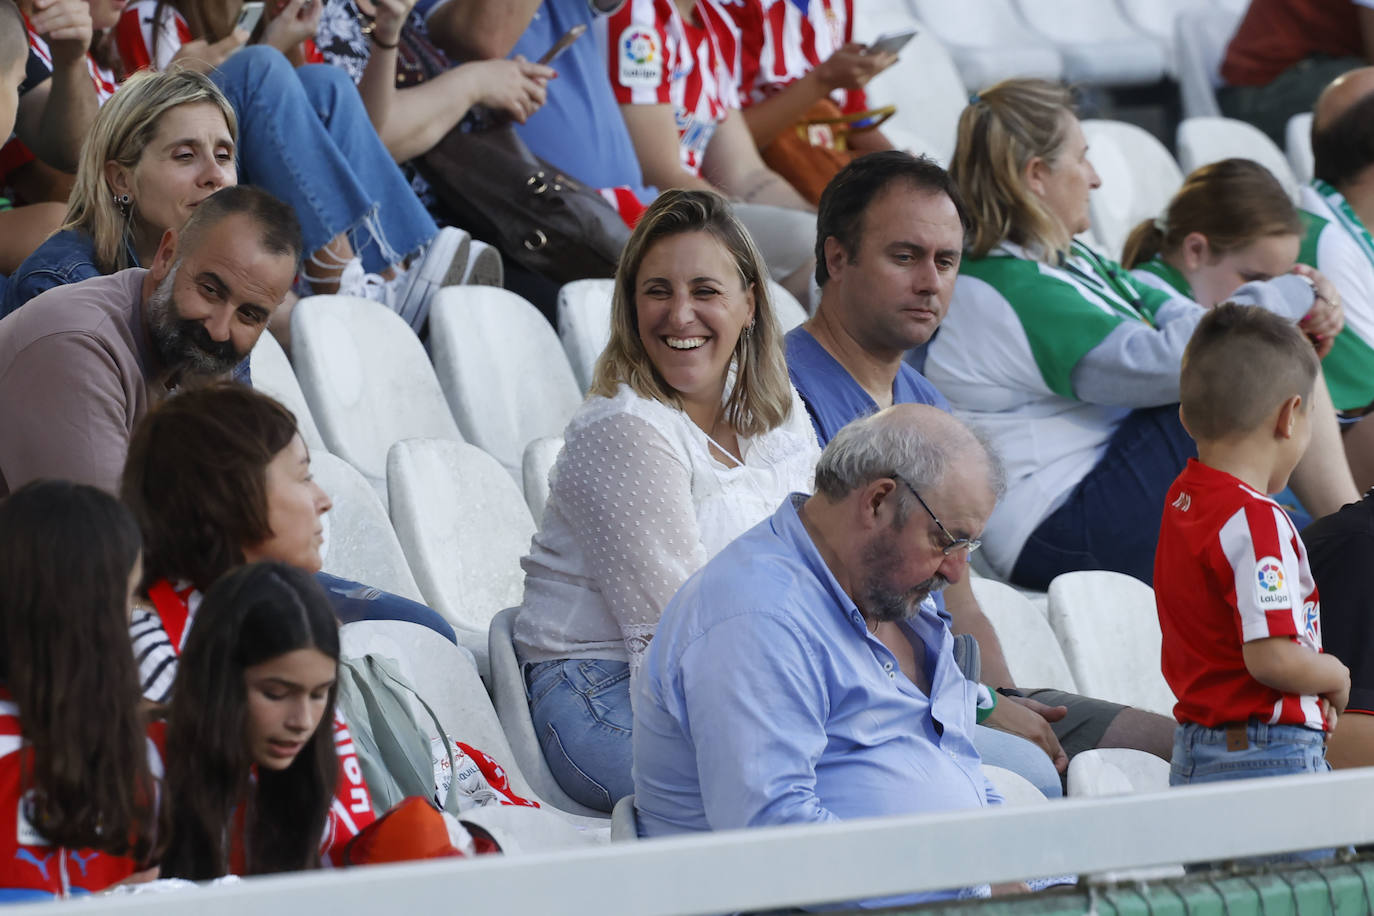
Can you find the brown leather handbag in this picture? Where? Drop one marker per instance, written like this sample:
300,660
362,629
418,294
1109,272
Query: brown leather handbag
490,183
809,153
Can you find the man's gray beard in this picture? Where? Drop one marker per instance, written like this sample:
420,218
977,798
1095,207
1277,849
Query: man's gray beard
882,603
167,330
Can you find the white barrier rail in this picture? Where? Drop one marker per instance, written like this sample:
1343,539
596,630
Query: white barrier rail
789,866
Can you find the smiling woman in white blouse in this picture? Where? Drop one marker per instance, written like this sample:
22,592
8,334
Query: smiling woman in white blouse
690,436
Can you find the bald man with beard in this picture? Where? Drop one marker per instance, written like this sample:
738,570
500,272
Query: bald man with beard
1338,209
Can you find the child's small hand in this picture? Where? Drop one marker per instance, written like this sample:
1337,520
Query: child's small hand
1339,698
1329,715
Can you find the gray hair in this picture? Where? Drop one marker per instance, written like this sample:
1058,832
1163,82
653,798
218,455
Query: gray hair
920,448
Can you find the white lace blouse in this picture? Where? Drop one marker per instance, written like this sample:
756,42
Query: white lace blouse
636,505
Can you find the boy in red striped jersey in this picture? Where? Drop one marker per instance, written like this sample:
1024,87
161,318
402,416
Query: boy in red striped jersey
1237,604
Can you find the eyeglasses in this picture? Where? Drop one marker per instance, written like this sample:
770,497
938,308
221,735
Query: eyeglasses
955,544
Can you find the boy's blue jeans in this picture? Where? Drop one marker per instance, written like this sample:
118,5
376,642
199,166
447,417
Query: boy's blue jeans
1201,755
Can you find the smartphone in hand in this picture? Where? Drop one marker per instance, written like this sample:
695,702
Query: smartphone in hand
891,43
249,16
563,43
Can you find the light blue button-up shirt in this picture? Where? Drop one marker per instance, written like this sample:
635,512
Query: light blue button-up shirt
763,699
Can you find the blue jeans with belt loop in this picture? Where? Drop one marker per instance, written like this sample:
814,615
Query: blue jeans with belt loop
305,137
1202,754
582,716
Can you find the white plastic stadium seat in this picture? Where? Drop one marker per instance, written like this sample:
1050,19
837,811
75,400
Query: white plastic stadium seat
1138,179
361,544
513,708
502,369
367,379
929,94
463,525
1298,137
1109,630
584,322
989,41
1204,140
1116,771
624,820
445,677
1121,771
789,312
1098,44
1201,37
1158,19
1029,645
1016,789
274,377
540,456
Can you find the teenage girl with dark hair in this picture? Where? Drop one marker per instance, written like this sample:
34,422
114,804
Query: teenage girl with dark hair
251,766
77,796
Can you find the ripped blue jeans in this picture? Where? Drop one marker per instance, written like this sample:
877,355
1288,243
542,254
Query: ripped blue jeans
305,137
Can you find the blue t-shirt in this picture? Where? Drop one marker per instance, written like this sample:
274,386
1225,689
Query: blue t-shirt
831,395
833,398
579,129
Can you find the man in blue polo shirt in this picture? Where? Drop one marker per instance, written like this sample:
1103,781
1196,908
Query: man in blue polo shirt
890,237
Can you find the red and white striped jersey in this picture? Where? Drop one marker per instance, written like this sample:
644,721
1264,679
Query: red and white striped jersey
14,154
145,43
102,77
1230,568
781,42
655,57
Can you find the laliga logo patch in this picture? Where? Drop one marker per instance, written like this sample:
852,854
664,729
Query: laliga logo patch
1270,584
641,59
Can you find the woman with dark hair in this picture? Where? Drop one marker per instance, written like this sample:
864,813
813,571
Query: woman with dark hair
251,766
76,792
218,477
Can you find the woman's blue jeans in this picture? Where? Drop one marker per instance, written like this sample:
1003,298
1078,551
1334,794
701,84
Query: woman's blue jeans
581,713
305,137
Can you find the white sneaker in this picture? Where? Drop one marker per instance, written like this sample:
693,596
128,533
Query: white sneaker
443,262
354,280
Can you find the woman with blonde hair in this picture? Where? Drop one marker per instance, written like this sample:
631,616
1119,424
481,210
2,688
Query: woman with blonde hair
691,435
157,148
1070,364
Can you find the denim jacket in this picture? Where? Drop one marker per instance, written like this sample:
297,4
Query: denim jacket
68,257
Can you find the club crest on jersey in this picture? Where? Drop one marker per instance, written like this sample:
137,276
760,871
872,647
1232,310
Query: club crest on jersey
1269,583
641,58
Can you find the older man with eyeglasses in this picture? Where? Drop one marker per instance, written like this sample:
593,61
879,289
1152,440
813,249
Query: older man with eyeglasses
804,674
890,238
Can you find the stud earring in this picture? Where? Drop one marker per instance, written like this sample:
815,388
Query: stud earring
122,202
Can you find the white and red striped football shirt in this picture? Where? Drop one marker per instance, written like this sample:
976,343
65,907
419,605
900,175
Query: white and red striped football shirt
655,57
144,43
1230,568
780,43
102,77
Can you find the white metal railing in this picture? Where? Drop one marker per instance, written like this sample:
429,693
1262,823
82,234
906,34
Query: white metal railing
789,866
